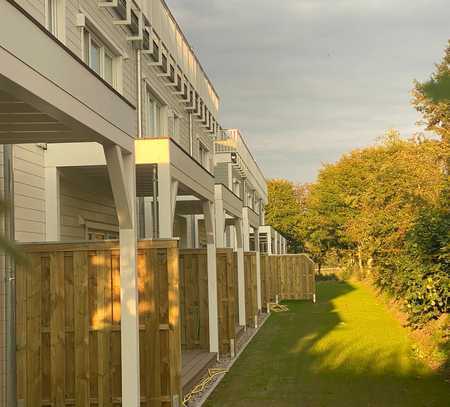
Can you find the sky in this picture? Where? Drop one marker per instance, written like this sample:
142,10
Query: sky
308,80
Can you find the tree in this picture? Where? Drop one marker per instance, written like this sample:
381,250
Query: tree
432,99
283,212
363,206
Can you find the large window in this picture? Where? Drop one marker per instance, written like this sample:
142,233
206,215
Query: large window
154,111
99,57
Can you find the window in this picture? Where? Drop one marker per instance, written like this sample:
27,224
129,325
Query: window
174,122
203,155
237,187
97,234
153,108
99,57
54,17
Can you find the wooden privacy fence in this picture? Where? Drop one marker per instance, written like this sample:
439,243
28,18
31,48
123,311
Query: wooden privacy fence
290,276
68,324
194,298
251,301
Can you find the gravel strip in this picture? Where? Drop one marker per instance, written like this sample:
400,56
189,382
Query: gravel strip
226,362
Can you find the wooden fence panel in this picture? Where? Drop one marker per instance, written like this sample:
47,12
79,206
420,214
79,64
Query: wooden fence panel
226,288
68,324
290,276
251,305
194,298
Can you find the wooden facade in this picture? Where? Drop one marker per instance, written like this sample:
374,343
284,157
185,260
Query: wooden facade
68,324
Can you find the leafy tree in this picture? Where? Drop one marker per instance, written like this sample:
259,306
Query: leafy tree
283,212
432,99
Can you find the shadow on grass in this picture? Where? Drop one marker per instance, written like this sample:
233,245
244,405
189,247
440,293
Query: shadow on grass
342,351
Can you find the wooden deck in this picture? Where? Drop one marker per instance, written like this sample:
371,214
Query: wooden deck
195,363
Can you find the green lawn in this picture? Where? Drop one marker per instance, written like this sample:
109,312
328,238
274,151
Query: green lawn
346,350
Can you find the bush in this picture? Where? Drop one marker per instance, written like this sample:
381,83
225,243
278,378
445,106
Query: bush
420,274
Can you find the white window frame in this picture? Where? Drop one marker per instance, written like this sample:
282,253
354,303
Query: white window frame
104,49
55,25
203,155
98,227
154,107
175,118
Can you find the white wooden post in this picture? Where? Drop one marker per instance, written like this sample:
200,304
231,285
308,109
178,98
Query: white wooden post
122,174
220,223
269,240
167,198
208,212
245,230
52,205
258,269
240,270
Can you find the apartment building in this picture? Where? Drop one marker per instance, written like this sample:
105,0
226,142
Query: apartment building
115,134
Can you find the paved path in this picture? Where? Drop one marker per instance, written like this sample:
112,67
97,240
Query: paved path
347,350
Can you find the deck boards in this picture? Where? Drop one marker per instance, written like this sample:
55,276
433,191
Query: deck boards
195,363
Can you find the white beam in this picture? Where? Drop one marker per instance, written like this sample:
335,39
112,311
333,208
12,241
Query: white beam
220,223
258,269
245,229
208,211
122,173
165,204
173,197
120,185
52,205
240,270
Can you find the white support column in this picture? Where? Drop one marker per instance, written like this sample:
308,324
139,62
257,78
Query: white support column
220,223
240,271
269,240
122,174
230,176
190,240
148,218
165,201
208,211
245,229
275,242
173,197
52,205
258,269
196,218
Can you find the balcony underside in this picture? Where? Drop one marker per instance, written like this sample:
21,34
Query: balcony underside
48,95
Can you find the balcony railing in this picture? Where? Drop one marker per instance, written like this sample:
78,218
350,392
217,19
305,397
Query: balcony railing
231,141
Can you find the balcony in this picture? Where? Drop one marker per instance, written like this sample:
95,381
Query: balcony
231,142
47,94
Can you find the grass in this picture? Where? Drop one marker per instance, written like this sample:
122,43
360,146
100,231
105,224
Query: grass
346,350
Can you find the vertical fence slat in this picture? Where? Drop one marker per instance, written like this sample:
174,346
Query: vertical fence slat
104,319
81,306
33,370
57,329
21,332
174,323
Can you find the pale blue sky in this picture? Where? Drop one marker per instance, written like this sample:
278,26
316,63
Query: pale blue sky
307,80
